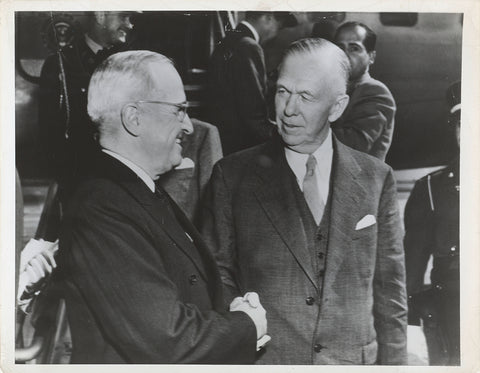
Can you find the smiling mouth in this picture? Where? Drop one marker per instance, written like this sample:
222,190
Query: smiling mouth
179,139
122,33
289,125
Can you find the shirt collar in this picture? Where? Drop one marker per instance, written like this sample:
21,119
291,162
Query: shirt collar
252,29
140,172
323,155
93,45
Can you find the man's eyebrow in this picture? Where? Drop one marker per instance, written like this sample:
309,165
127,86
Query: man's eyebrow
307,92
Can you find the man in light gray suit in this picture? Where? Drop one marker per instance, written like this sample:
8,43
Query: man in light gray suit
313,226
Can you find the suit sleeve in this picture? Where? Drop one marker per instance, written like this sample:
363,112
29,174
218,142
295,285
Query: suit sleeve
250,83
390,301
367,118
118,270
219,233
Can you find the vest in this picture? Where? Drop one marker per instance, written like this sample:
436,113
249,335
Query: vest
317,236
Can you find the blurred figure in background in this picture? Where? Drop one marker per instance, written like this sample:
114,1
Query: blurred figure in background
66,131
367,122
237,81
432,228
325,29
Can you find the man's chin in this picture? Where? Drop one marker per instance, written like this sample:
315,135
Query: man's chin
177,160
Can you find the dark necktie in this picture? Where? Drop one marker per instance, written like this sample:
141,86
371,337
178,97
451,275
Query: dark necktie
310,190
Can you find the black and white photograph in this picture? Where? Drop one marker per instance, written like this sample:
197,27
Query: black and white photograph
187,185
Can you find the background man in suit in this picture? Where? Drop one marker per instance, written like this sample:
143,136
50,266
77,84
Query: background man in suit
237,81
186,183
142,285
313,226
367,122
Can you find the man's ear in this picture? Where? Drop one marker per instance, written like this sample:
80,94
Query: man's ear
372,56
338,107
130,120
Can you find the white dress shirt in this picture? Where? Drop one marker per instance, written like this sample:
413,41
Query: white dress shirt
140,172
252,29
324,156
93,45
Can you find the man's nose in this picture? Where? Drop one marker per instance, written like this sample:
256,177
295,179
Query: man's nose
187,125
290,105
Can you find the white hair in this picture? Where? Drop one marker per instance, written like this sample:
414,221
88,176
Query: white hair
315,45
121,78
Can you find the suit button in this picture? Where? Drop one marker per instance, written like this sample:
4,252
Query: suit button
320,236
321,272
438,287
318,347
192,279
310,301
321,255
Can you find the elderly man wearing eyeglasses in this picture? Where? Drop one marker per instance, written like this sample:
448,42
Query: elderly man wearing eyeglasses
142,287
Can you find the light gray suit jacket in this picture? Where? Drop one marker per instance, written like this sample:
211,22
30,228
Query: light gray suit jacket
252,222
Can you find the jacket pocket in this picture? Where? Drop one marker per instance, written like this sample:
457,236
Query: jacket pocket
369,353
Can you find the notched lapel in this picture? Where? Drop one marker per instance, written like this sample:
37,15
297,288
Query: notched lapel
347,194
172,229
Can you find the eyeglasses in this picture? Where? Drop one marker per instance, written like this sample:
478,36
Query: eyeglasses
181,106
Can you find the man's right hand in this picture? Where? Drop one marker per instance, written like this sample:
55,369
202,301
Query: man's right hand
250,304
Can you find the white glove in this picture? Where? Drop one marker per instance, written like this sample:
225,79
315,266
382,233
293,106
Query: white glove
37,261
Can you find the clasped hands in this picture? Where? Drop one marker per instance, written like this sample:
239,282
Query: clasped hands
250,304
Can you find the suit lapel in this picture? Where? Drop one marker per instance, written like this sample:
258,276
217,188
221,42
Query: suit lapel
277,199
206,256
127,179
347,194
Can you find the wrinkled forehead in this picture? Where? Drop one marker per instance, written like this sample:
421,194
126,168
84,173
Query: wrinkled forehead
309,70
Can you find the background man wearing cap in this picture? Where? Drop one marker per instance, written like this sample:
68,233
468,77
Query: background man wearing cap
367,122
432,228
66,132
142,287
313,226
237,81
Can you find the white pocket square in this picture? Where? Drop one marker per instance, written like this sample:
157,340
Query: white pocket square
366,221
186,163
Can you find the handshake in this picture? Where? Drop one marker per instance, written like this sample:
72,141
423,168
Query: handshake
250,304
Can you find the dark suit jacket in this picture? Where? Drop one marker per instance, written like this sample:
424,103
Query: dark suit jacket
368,121
237,90
432,229
253,223
139,291
186,185
67,157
